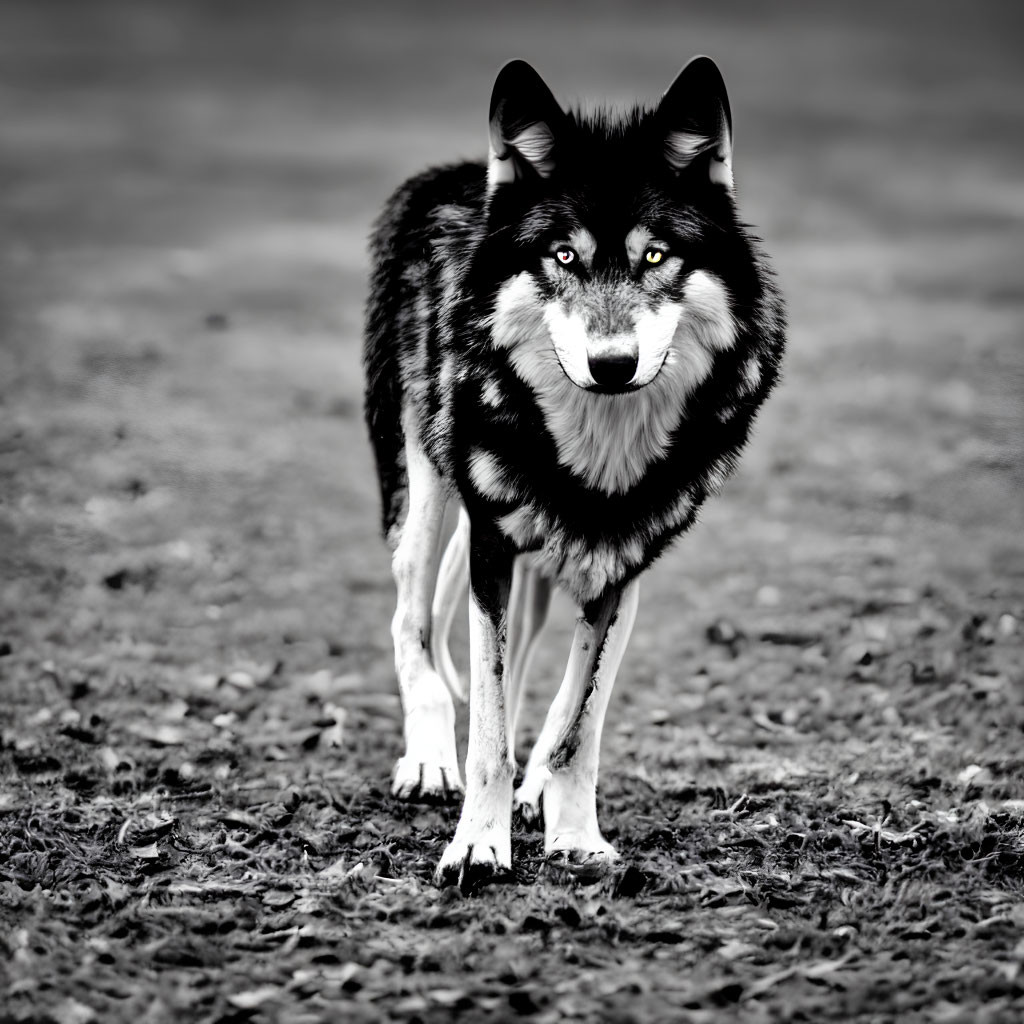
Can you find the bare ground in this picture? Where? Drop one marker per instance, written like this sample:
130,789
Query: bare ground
813,762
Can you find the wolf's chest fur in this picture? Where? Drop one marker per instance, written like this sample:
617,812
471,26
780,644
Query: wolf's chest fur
605,441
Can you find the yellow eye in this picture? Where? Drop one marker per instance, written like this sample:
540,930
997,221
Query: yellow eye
654,256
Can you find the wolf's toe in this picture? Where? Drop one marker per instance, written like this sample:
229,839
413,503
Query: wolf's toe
470,866
526,801
527,814
421,782
586,866
583,852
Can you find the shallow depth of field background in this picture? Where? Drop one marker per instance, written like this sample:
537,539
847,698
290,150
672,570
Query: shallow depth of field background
813,761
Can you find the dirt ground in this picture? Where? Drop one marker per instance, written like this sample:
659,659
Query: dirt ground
813,765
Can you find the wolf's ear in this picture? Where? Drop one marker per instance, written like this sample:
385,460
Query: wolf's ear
525,123
696,121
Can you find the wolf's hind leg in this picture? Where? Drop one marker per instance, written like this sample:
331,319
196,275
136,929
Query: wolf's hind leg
528,611
452,584
429,768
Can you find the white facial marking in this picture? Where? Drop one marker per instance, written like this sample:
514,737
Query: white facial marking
516,312
688,359
608,441
637,243
706,303
584,244
654,332
569,335
488,476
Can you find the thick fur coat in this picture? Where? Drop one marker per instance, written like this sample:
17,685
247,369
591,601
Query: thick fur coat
571,341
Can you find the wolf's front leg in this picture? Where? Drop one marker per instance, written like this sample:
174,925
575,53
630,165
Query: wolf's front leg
481,847
563,765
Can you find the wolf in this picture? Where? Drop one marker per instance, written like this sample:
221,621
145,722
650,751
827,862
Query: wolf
569,344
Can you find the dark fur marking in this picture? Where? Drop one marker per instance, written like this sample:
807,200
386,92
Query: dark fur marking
601,614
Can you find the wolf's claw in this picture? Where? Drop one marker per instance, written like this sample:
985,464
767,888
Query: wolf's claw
419,782
527,814
470,866
586,866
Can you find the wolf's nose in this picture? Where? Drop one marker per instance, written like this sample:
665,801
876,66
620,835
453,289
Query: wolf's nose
613,370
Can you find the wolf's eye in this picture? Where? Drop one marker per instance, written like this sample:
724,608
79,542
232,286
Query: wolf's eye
654,256
565,256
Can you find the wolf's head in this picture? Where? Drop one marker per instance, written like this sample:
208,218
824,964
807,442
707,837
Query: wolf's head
615,236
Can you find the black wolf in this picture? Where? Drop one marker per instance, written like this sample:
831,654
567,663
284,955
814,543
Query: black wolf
570,342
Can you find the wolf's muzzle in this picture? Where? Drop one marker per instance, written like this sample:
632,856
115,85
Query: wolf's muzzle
613,370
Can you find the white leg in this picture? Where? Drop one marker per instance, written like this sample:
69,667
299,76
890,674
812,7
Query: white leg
429,769
564,763
482,843
528,611
452,583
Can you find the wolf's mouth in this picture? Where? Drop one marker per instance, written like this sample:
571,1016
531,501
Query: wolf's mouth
614,389
611,387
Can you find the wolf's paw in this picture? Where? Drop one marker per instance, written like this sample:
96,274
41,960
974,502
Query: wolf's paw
483,855
580,846
526,802
528,814
423,782
470,865
581,860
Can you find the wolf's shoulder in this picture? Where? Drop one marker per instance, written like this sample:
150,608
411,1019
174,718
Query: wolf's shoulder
439,204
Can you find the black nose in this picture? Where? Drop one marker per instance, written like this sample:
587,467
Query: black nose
612,371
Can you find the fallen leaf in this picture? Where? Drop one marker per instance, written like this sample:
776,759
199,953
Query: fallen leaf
159,735
254,997
71,1011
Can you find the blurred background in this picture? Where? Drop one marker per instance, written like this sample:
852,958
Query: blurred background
185,195
813,760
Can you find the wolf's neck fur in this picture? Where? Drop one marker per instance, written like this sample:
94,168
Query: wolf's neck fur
607,441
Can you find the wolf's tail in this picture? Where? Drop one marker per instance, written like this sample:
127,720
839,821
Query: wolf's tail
386,319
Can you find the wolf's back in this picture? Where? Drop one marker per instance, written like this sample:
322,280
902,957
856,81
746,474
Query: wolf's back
416,236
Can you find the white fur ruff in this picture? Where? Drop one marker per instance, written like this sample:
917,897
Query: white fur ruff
609,441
